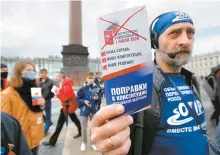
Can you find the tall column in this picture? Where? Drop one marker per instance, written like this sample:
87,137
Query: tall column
75,55
75,22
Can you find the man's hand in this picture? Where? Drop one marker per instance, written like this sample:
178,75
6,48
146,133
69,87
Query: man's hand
86,102
111,137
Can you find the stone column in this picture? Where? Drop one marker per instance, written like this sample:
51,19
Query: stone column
75,22
75,55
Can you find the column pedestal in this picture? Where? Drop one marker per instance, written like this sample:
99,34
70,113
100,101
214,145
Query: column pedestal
75,62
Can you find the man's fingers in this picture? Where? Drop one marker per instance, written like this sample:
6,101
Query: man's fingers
105,114
117,129
119,139
123,150
111,128
113,142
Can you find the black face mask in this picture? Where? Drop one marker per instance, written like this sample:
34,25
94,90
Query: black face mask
28,83
25,93
4,75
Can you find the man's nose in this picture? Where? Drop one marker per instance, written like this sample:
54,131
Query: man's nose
184,40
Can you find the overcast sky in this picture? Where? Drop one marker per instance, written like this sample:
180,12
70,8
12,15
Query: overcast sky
40,28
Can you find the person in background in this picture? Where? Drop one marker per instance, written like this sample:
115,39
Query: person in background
88,99
217,94
17,102
213,81
98,79
12,138
4,75
100,83
67,97
46,85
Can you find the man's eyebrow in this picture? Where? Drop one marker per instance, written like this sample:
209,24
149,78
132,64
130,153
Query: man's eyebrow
181,28
191,28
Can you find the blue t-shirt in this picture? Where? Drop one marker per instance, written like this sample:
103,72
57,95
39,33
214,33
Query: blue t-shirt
178,133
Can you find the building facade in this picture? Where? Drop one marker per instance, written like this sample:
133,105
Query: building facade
201,65
53,64
95,65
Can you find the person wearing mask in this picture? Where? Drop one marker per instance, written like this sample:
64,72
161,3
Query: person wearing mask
172,126
46,85
4,75
100,83
17,102
12,138
69,105
88,99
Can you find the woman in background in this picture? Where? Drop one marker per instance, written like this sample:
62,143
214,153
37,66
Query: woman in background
17,102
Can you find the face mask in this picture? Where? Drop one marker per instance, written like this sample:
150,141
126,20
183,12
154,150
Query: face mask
30,75
4,75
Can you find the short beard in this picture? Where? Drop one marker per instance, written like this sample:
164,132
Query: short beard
180,59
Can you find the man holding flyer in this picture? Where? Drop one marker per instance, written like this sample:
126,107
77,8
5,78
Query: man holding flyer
175,124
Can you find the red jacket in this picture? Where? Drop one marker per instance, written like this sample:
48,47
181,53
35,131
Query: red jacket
66,95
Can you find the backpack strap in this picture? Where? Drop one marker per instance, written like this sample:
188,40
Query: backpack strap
158,81
138,132
196,86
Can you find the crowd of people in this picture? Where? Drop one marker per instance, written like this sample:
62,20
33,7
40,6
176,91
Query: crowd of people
24,124
168,128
